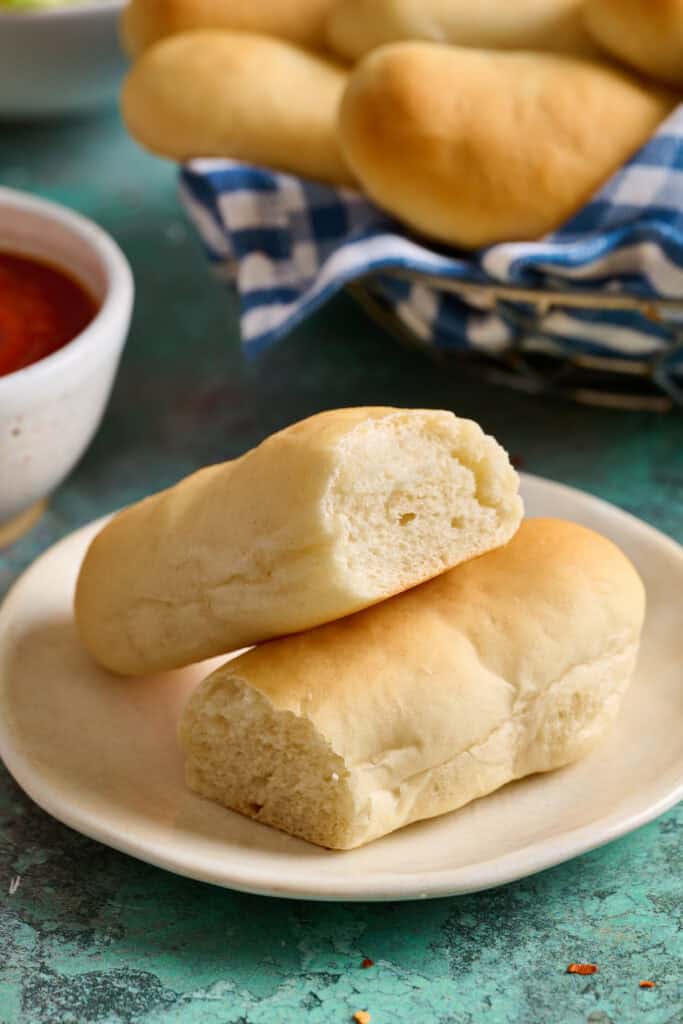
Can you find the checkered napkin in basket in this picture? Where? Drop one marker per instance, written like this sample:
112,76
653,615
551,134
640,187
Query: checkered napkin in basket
290,244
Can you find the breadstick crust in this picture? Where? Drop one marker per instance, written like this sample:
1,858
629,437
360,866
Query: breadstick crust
473,148
645,34
302,22
513,663
241,96
356,27
326,517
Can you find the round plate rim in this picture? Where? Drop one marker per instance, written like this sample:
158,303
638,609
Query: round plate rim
485,875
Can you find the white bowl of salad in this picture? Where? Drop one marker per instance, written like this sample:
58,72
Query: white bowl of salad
58,57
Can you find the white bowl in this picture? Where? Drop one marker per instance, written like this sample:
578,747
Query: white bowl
50,410
64,60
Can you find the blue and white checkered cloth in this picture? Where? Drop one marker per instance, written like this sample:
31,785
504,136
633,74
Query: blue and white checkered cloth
290,244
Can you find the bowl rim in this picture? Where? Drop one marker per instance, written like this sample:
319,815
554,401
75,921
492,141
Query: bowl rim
113,312
65,10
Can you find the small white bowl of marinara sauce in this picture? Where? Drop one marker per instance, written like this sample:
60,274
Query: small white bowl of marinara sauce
66,297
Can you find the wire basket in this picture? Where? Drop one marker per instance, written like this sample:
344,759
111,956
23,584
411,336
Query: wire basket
537,362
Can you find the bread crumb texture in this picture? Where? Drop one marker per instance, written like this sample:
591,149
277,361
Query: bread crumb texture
412,495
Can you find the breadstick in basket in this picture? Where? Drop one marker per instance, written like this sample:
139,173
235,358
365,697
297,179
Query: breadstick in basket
514,663
476,147
299,21
232,94
647,34
325,517
355,27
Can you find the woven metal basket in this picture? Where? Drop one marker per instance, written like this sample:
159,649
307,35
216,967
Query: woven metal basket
539,363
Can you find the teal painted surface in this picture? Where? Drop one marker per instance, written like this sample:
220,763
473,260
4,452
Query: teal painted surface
90,935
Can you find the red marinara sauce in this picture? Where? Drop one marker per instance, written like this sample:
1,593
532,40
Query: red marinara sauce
41,309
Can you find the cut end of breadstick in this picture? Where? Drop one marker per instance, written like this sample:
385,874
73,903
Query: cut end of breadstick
513,664
411,496
273,755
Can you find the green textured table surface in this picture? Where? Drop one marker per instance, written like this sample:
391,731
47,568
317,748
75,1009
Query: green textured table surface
90,935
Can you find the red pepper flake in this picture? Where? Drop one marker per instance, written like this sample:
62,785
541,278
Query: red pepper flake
368,962
582,969
647,984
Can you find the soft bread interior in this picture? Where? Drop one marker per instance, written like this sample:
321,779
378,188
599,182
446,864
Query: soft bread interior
267,764
407,500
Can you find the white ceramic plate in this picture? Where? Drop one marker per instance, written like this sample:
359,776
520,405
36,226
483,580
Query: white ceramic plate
100,754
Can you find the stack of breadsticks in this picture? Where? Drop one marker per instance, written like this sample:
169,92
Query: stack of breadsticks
474,123
417,645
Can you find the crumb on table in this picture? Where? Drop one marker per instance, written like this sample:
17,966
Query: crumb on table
582,969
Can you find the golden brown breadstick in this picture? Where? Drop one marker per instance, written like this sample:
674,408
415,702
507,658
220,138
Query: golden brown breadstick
249,97
355,27
300,21
513,663
476,147
647,34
